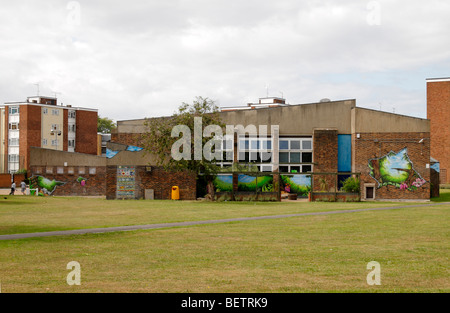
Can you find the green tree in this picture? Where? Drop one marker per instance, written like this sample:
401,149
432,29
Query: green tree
159,140
105,125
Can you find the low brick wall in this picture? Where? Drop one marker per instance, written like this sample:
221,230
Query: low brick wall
157,179
94,184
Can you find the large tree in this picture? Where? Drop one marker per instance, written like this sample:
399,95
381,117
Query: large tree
182,141
105,125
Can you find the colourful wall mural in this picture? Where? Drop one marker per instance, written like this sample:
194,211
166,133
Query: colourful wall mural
245,183
125,182
45,185
112,153
82,181
395,169
223,183
299,184
254,183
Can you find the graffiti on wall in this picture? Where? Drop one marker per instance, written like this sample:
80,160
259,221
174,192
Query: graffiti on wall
125,182
395,169
82,181
299,184
45,185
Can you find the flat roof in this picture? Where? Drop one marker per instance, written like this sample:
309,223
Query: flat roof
48,106
442,79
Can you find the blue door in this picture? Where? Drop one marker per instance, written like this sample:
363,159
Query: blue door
344,153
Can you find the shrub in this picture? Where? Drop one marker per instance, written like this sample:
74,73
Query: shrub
351,184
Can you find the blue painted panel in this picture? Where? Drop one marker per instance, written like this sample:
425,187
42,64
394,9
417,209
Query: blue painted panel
344,153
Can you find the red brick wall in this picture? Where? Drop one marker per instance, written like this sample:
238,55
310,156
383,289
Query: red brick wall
132,139
376,145
6,137
325,158
438,111
65,129
30,131
95,184
86,132
157,179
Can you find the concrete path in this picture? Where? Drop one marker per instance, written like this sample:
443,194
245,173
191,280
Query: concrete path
181,224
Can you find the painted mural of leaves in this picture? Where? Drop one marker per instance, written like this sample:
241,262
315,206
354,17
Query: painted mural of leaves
395,169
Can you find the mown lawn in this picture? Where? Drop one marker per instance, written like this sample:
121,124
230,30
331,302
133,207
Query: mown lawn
326,253
25,214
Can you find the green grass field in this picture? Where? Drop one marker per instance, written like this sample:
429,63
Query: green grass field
326,253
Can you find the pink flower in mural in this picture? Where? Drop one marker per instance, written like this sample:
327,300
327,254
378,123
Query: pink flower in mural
403,186
419,182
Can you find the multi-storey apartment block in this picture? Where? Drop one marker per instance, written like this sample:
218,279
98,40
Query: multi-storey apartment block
41,122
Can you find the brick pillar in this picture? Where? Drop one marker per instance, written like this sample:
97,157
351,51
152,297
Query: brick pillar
325,158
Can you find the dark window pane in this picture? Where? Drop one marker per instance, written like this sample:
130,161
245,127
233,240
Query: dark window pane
295,169
295,157
284,169
306,157
284,157
306,168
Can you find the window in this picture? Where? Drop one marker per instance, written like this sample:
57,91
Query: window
49,170
55,142
284,157
70,170
44,111
55,127
13,110
55,112
92,170
72,127
296,152
60,170
13,158
307,157
243,145
71,114
295,157
81,170
254,145
13,142
13,126
284,144
44,142
307,144
71,143
295,144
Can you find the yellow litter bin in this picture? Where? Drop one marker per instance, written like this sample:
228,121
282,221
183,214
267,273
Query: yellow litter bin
175,193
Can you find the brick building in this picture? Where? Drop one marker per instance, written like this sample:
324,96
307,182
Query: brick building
315,147
41,122
127,175
438,112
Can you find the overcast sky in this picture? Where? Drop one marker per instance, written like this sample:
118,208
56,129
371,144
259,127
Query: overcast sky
135,59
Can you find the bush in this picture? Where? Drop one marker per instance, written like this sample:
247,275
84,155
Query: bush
351,184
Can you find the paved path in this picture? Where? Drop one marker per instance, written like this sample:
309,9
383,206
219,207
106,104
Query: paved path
181,224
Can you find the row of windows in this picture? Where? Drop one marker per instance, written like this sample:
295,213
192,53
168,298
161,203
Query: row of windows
13,142
81,170
13,110
266,144
13,126
54,111
55,142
